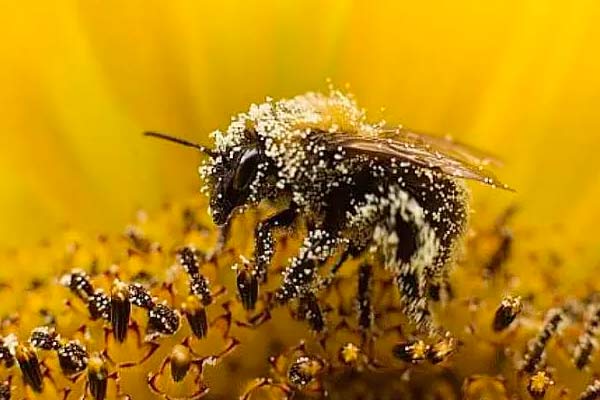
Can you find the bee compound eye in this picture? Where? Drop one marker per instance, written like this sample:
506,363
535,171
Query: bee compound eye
246,169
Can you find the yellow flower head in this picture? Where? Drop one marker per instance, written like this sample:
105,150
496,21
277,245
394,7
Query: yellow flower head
174,308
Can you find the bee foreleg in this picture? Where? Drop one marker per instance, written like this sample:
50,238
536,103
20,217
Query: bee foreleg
264,245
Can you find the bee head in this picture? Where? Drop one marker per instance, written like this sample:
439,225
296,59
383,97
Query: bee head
229,174
232,176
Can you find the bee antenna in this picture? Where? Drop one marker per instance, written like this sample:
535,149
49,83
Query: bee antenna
183,142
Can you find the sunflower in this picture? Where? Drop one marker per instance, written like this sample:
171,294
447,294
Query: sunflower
81,81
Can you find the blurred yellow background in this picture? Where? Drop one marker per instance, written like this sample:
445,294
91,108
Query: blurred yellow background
80,80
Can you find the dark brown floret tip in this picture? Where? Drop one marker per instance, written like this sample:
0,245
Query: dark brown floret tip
79,283
199,286
163,319
363,299
99,306
72,357
592,392
536,348
45,338
140,297
6,356
188,259
310,310
586,343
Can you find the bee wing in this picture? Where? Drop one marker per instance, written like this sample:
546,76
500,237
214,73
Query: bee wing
445,144
425,151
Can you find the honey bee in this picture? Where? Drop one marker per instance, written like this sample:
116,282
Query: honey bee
360,189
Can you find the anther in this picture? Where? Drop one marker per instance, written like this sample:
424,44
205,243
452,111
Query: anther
195,314
247,285
509,309
181,360
120,310
30,366
97,377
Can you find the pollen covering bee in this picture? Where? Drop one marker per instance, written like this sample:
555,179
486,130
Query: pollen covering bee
359,188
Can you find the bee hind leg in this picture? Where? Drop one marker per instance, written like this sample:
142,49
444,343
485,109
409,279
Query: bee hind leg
408,245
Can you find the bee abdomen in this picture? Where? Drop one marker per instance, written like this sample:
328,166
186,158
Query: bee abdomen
444,204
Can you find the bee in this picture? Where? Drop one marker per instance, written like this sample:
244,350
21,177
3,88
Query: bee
360,189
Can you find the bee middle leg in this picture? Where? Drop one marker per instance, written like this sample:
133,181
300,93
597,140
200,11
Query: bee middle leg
317,247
